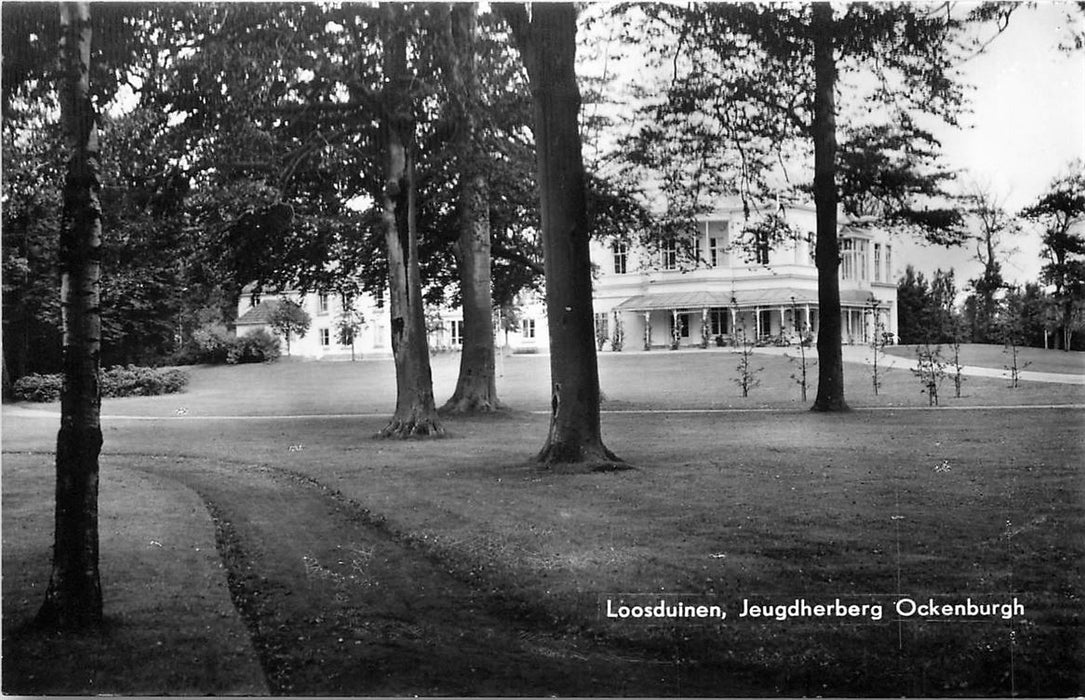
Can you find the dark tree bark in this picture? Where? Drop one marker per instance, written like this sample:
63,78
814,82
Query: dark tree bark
547,42
476,386
416,413
73,598
830,396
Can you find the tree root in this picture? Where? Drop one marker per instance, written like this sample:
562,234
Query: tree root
470,405
577,458
412,427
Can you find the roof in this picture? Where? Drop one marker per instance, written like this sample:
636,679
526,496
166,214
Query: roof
781,296
259,315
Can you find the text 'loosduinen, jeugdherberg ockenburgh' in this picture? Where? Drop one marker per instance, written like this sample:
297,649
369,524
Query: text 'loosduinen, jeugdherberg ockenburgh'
661,608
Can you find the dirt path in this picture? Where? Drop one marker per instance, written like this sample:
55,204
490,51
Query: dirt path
337,604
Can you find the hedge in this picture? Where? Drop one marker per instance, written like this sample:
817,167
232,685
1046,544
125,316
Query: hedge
115,381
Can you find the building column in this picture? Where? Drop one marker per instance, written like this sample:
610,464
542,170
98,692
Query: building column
783,322
757,321
734,322
704,327
647,330
676,332
806,319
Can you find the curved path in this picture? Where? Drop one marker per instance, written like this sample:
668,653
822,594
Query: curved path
337,603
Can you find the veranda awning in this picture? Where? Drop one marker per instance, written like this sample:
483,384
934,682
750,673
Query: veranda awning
695,301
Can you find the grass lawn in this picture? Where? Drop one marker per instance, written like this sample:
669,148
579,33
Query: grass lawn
997,357
451,566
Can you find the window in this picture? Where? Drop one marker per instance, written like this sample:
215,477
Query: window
877,262
325,337
456,328
602,326
322,303
812,245
719,320
669,255
847,259
762,246
764,317
717,243
621,257
528,328
888,263
862,259
697,251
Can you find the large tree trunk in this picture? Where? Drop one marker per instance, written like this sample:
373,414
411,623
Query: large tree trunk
547,42
476,386
830,396
74,596
416,413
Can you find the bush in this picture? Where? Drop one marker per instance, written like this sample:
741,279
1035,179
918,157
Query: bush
142,381
38,387
115,381
214,345
258,346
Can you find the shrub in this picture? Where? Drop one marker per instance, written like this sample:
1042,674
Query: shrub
258,346
38,387
142,381
115,381
214,345
209,344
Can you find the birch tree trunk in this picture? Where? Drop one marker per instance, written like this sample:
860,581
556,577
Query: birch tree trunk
73,598
416,413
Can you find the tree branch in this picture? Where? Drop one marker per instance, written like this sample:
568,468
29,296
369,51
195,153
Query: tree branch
517,257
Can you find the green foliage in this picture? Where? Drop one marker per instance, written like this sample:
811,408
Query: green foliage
348,323
877,344
288,318
258,346
747,378
32,161
142,381
1012,322
1059,212
930,370
39,387
617,341
214,345
886,169
115,382
143,283
993,224
925,312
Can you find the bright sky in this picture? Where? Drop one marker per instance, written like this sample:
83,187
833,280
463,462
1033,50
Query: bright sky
1028,124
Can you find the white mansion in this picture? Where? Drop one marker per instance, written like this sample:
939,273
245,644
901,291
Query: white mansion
706,291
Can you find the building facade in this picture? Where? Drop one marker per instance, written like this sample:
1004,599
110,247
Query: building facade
741,276
330,338
738,276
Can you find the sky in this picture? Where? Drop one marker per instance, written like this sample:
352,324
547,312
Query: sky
1027,125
